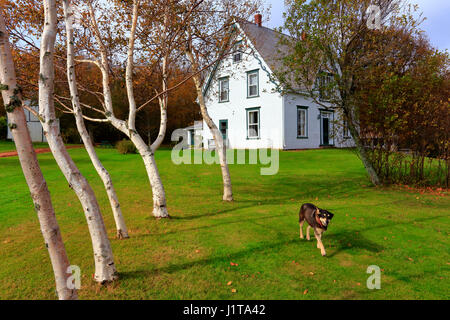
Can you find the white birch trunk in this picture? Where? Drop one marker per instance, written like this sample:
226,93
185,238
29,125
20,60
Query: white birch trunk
31,170
147,153
105,270
159,195
121,228
220,146
128,128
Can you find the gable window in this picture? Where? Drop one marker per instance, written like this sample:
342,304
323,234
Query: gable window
253,84
253,123
324,82
224,89
302,122
237,53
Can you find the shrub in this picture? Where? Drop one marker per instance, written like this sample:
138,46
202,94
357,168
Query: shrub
126,147
3,127
71,135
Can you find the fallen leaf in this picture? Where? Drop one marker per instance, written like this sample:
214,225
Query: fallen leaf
410,259
233,290
305,292
358,284
311,273
229,283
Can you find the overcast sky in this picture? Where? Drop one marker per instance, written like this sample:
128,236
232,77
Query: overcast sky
437,25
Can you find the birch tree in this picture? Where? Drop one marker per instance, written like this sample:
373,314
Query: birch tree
128,127
209,37
122,231
105,270
37,185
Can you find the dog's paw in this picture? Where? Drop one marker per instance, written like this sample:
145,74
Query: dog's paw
302,237
323,254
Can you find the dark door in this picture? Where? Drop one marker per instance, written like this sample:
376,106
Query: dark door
191,132
223,127
325,131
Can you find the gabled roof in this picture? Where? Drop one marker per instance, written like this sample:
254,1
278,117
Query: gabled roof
266,42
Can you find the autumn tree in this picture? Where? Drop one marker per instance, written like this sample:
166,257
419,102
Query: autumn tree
121,229
37,185
326,51
209,38
403,107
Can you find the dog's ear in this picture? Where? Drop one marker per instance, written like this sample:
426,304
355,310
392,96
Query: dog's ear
331,215
317,211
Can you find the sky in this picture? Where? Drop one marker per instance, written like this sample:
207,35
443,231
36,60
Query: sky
437,24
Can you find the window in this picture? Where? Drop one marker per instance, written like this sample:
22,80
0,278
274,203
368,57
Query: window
253,125
324,82
237,54
224,89
253,84
302,122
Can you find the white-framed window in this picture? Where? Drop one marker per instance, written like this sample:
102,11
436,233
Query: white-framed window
302,122
253,84
224,89
253,123
237,52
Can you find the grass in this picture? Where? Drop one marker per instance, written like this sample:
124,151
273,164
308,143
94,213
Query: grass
404,232
6,146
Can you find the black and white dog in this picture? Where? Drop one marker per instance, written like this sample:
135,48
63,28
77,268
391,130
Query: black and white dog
318,219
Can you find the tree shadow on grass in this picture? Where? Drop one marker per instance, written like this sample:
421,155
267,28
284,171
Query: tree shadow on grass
224,259
343,237
346,237
209,226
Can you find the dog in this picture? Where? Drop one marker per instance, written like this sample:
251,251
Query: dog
318,219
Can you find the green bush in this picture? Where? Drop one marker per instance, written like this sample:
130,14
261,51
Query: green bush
126,147
71,135
3,127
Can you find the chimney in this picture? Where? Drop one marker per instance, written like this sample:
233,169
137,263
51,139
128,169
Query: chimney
258,19
304,35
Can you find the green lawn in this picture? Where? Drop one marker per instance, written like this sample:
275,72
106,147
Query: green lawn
404,232
6,146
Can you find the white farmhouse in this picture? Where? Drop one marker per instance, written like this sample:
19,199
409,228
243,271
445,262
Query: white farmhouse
34,125
242,100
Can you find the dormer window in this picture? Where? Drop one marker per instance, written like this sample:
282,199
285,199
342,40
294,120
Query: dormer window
224,89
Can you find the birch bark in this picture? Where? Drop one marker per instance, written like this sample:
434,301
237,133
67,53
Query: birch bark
37,185
220,146
128,127
122,231
105,270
